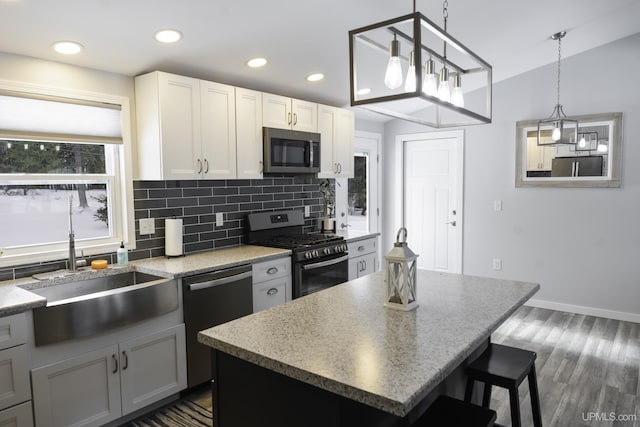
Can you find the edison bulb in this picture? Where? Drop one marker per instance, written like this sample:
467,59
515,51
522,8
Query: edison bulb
430,85
444,91
556,134
410,83
457,98
582,143
393,76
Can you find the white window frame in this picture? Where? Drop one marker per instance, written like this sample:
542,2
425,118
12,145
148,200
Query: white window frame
123,222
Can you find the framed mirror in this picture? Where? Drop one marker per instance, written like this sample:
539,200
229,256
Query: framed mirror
591,161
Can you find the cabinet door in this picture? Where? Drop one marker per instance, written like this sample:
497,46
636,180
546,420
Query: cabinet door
152,367
343,143
270,293
81,391
304,116
17,416
14,376
326,121
367,264
180,126
218,118
354,266
249,133
276,111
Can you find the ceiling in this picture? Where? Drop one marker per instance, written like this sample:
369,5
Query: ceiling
298,37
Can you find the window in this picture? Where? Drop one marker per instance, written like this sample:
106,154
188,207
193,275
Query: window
62,167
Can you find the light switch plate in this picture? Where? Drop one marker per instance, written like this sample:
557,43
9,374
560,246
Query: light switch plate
147,226
219,219
497,264
497,205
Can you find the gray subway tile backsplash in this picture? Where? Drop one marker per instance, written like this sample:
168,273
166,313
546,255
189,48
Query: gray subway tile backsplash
197,202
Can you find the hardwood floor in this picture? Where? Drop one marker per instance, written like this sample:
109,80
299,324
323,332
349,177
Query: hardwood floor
588,369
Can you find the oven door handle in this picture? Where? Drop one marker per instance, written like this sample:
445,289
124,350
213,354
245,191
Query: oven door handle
218,282
324,263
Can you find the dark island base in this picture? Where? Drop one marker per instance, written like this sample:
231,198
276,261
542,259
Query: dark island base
245,394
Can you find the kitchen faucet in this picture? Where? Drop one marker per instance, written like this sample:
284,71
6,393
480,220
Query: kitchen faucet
72,243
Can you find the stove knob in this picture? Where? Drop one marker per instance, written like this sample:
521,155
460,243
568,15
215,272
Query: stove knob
337,249
307,255
315,253
327,251
344,247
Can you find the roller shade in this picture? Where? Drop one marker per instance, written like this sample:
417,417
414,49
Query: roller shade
41,117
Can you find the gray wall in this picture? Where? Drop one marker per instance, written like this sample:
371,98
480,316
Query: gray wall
581,245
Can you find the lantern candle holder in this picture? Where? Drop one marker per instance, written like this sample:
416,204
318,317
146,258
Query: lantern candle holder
401,275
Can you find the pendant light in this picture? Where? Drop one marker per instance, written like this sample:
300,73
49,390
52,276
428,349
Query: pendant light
410,82
434,98
393,75
430,84
444,88
564,130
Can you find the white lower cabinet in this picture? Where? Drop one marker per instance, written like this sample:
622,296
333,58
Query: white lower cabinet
271,283
363,257
17,416
101,386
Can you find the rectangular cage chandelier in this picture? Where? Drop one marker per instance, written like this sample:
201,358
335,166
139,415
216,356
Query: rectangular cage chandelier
411,69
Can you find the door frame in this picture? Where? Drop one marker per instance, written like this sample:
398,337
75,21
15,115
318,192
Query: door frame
399,180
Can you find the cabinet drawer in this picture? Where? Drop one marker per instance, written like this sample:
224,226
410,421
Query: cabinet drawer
13,330
272,269
14,376
18,416
362,247
269,294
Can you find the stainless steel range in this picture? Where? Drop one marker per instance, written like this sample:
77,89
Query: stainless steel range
319,261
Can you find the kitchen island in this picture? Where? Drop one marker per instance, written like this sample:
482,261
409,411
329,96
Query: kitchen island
339,357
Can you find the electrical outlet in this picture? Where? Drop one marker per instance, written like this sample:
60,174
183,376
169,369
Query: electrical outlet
219,219
497,264
497,205
307,211
147,226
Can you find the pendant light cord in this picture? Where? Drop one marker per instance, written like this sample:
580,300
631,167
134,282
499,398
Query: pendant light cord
559,57
445,15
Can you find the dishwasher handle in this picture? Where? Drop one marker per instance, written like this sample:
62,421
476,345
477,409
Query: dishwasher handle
217,282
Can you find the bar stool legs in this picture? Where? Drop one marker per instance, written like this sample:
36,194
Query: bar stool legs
506,367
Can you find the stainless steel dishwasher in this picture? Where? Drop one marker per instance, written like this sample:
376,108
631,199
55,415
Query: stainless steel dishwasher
211,299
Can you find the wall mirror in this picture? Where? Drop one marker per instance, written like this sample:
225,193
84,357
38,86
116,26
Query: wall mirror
592,161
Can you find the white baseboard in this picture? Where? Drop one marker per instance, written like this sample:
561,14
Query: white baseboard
590,311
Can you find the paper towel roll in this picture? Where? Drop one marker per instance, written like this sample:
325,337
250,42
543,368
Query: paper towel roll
173,236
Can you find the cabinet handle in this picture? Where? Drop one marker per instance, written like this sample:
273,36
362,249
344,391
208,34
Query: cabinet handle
199,165
335,168
115,364
295,119
272,291
206,162
125,365
261,166
360,248
289,119
364,268
339,167
272,270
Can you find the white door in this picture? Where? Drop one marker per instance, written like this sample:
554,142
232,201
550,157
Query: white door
433,167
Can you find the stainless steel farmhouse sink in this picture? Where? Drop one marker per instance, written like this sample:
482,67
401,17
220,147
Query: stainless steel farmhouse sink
85,307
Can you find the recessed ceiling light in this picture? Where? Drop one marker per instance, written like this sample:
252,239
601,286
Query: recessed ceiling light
257,62
364,91
168,36
67,47
316,77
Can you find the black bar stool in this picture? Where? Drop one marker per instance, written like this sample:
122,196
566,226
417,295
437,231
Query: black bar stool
447,411
506,367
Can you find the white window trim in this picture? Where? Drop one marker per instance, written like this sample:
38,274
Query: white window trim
124,197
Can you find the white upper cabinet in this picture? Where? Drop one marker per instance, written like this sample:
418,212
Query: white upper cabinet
249,133
287,113
186,128
336,128
218,124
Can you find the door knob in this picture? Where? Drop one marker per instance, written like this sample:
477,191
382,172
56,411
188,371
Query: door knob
453,223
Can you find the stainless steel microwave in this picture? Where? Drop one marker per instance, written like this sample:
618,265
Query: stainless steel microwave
291,152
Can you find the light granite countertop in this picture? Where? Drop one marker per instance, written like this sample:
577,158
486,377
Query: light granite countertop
354,236
345,341
16,298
